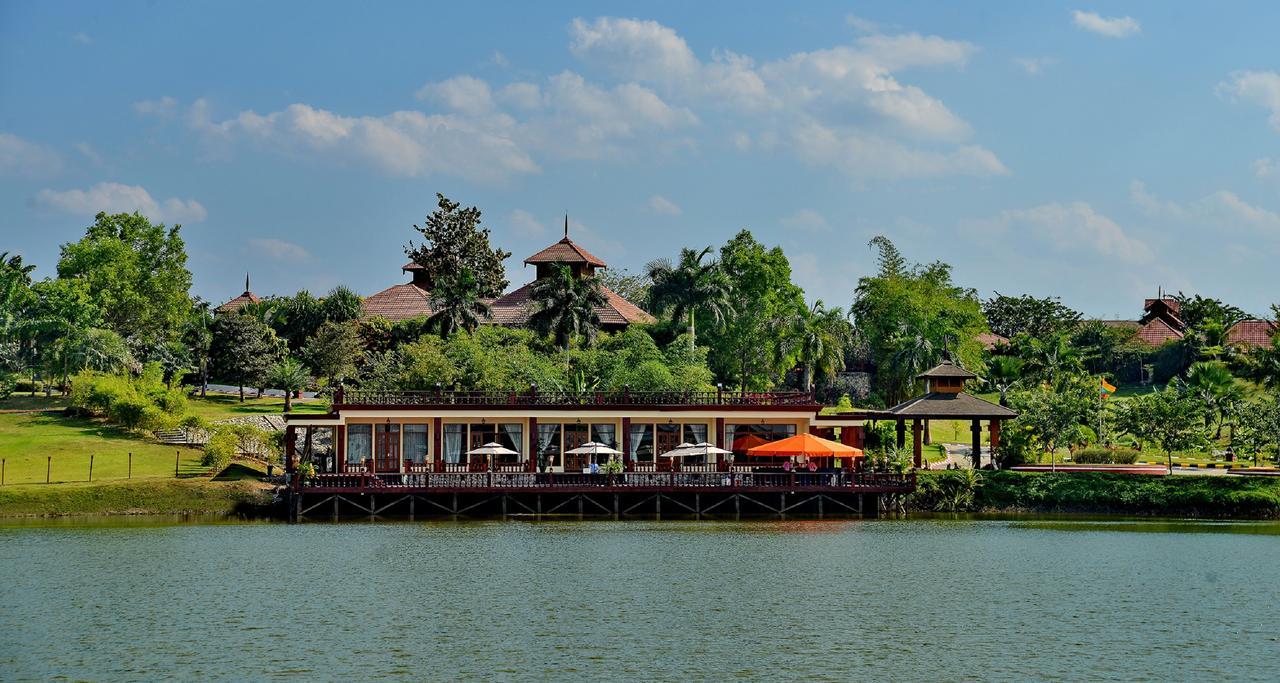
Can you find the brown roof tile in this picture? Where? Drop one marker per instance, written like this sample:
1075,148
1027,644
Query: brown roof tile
236,303
990,340
398,302
946,369
1157,331
515,308
1251,333
565,251
954,406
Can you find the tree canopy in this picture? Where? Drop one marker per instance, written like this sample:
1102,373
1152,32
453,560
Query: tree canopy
453,239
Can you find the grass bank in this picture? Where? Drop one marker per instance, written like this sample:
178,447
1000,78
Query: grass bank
150,497
1252,497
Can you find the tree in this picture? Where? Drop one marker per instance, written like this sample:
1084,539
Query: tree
1003,374
565,306
1197,310
1264,364
453,240
1215,386
333,351
758,342
1009,316
632,287
1050,359
341,305
1171,418
198,336
289,375
136,273
825,333
1054,416
303,315
1257,425
243,350
908,314
690,287
456,304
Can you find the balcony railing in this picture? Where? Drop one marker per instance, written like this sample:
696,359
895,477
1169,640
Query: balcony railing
509,481
536,398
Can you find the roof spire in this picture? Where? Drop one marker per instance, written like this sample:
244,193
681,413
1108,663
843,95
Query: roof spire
246,281
566,225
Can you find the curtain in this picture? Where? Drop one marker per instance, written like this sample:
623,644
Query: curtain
415,442
695,433
605,434
510,435
642,442
548,444
453,436
359,443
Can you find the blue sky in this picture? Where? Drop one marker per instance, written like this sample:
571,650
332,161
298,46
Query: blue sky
1093,151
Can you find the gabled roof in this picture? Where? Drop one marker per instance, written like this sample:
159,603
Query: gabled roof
565,251
398,302
990,340
412,265
1158,331
236,303
1251,333
946,369
959,406
514,308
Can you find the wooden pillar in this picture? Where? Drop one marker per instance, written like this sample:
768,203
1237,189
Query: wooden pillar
437,442
917,446
902,433
533,444
627,465
994,425
340,447
976,430
290,448
928,440
717,440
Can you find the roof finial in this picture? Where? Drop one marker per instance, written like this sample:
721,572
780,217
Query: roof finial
566,225
246,281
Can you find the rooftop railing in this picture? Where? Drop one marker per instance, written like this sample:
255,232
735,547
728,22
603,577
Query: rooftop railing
455,481
534,397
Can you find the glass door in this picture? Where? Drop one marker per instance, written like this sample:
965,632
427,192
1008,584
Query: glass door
575,435
386,447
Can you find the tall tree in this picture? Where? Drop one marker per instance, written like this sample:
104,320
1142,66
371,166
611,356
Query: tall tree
763,302
244,350
452,240
1215,386
333,351
1009,316
341,305
456,304
693,285
289,375
825,334
198,336
565,306
137,274
1003,374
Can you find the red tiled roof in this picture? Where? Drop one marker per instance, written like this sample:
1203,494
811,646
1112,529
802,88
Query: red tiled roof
412,265
398,302
1251,333
515,308
990,340
236,303
1157,331
565,251
1169,301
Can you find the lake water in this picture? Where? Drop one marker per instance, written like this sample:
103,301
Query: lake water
835,600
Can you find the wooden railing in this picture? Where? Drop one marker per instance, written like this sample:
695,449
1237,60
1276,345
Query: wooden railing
636,480
536,398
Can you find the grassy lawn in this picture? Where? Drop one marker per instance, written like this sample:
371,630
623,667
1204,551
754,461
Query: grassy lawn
28,439
222,406
153,496
29,402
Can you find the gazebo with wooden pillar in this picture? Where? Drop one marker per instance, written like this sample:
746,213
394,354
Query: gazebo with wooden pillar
944,399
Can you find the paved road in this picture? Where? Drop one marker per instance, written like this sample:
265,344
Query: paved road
253,392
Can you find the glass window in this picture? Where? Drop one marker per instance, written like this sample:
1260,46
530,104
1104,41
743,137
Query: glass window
415,442
511,436
695,433
454,435
359,443
548,445
642,442
605,434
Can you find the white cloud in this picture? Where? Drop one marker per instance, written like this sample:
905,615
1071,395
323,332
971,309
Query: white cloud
88,152
460,93
1074,227
164,107
82,38
860,24
1223,211
521,95
279,250
120,198
807,220
1256,87
19,157
869,157
1034,65
498,59
1266,168
525,224
1111,27
660,204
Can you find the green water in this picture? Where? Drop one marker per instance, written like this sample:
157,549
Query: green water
837,600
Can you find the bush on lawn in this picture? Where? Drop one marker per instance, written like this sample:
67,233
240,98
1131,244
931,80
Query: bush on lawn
134,402
1105,456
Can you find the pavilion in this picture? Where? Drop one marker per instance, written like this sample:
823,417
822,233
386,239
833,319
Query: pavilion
945,399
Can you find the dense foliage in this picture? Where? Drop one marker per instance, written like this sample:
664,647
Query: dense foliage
453,240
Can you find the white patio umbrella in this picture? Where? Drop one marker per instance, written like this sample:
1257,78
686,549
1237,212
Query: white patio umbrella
680,451
492,448
705,448
593,448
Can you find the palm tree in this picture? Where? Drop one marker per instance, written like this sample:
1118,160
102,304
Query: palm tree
289,375
456,304
1003,374
825,333
912,354
565,306
690,287
1050,359
1213,383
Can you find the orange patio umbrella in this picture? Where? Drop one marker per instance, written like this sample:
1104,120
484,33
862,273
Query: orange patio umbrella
807,445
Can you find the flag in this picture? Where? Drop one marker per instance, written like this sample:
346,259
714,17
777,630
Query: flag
1107,388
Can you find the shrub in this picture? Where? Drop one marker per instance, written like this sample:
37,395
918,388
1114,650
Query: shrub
222,447
128,412
1105,456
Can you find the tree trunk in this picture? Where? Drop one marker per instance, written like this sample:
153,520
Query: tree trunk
242,393
693,331
808,377
288,401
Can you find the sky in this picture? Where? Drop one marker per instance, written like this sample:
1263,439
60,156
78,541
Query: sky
1091,151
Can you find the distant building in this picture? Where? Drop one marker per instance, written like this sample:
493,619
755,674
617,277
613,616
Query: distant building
248,297
1161,322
